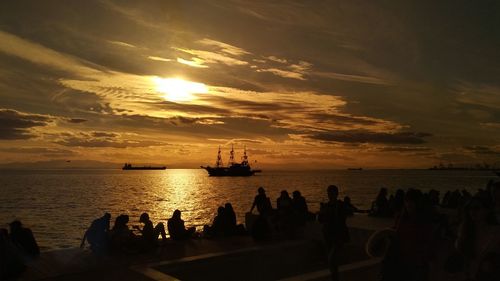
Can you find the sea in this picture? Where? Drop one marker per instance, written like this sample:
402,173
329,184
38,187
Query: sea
59,205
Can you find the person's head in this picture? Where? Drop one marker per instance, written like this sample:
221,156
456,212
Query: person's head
144,218
261,191
382,192
333,192
296,194
477,210
413,201
347,200
107,217
284,194
15,225
220,210
228,206
177,214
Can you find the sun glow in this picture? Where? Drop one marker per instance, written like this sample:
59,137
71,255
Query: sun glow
179,90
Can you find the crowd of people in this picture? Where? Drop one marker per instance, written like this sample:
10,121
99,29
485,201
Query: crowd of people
423,227
420,228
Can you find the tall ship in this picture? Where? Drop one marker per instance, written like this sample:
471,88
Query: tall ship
233,169
129,166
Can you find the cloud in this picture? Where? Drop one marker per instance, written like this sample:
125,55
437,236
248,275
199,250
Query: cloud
405,149
101,139
18,125
76,120
483,150
224,47
122,44
352,78
213,57
284,73
38,150
195,62
159,58
371,137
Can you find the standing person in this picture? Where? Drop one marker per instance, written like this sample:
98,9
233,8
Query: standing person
262,202
149,233
300,207
479,241
332,216
176,227
412,248
230,219
23,238
98,234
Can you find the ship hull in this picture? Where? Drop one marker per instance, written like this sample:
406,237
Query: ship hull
229,172
145,168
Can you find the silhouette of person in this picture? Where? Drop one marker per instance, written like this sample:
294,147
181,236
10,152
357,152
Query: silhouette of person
11,261
409,253
149,233
299,203
219,224
332,216
23,239
380,206
479,240
262,202
176,227
97,234
350,209
230,218
122,238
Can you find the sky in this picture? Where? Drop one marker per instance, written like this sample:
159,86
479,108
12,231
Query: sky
300,84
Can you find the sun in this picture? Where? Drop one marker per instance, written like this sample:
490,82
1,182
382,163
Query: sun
178,90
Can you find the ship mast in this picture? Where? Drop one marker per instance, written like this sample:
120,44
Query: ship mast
245,157
231,156
218,163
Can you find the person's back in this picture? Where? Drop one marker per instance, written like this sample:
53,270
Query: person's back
23,238
284,203
97,233
176,227
262,202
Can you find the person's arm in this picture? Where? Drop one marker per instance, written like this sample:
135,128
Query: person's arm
83,240
253,205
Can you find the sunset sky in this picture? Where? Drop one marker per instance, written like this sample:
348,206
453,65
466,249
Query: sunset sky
303,84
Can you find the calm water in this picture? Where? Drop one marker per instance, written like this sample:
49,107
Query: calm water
59,204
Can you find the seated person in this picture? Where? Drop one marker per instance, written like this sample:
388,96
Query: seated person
176,227
149,233
97,234
121,237
219,226
262,202
23,239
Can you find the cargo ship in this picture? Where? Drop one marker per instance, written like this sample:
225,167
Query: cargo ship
233,169
129,166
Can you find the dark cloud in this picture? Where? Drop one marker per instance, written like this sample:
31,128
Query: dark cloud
17,125
482,150
343,119
405,149
38,150
77,120
371,137
101,139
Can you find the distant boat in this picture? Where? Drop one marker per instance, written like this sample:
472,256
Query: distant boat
242,169
355,169
129,166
